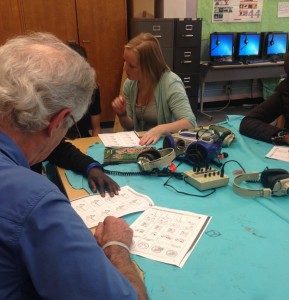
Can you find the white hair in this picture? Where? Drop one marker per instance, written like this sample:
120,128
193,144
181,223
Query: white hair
40,76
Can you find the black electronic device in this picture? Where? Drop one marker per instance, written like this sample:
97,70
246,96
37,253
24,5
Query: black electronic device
248,46
275,45
221,46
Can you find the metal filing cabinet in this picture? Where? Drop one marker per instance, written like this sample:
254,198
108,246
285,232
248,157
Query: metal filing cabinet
162,29
187,54
180,40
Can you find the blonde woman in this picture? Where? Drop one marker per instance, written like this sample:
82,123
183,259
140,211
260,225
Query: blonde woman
154,98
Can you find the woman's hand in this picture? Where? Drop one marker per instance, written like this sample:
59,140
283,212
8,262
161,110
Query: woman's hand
152,136
119,106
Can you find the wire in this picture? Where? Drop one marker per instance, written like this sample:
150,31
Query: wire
232,160
155,172
185,193
227,105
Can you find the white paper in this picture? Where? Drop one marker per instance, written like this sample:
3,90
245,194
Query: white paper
120,139
94,209
167,235
283,9
279,153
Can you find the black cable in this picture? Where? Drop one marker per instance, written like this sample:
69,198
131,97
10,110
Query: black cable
184,193
232,160
155,172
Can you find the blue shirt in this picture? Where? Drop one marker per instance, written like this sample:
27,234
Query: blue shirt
46,251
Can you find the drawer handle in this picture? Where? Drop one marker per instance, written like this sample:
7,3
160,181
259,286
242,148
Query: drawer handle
187,35
187,86
186,62
86,41
71,41
158,36
156,27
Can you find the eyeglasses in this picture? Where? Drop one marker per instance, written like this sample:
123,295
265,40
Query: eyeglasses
75,126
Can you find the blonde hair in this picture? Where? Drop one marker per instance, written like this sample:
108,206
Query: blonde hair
152,62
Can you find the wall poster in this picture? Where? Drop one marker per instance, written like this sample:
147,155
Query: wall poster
237,11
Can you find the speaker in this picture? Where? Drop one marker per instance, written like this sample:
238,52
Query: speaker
274,181
195,147
153,159
202,153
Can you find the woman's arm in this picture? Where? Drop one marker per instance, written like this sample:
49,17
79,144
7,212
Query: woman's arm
119,106
257,124
154,134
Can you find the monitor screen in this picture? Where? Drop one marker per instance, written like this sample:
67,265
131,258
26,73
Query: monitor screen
276,43
248,44
221,46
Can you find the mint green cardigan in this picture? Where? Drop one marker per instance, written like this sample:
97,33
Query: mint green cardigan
171,100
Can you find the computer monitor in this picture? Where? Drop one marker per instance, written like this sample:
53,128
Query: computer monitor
276,44
248,45
221,46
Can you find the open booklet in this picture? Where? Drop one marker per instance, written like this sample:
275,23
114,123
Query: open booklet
120,139
161,234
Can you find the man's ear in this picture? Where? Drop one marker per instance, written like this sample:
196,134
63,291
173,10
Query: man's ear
56,121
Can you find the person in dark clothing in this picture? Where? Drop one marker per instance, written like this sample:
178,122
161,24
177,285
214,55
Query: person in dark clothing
89,122
257,124
89,125
67,156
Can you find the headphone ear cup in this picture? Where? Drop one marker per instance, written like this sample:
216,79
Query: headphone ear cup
227,138
150,155
271,181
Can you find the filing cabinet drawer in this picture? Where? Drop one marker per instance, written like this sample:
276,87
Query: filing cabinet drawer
188,33
162,29
191,83
187,60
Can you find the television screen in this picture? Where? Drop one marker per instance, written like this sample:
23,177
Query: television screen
276,43
248,45
221,46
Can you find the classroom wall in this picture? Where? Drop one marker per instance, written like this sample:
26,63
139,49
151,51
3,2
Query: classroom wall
269,22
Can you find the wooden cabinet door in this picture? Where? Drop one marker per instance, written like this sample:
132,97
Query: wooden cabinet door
102,27
55,16
10,21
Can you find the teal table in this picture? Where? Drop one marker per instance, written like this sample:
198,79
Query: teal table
244,252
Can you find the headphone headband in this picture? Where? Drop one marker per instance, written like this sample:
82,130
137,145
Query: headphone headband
280,185
163,158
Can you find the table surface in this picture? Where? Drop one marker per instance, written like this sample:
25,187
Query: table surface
243,253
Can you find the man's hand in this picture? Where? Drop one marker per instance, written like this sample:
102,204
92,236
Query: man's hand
98,181
113,229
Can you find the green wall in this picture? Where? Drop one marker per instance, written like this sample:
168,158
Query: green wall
269,21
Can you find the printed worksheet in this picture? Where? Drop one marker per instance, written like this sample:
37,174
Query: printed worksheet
279,153
94,208
120,139
167,235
